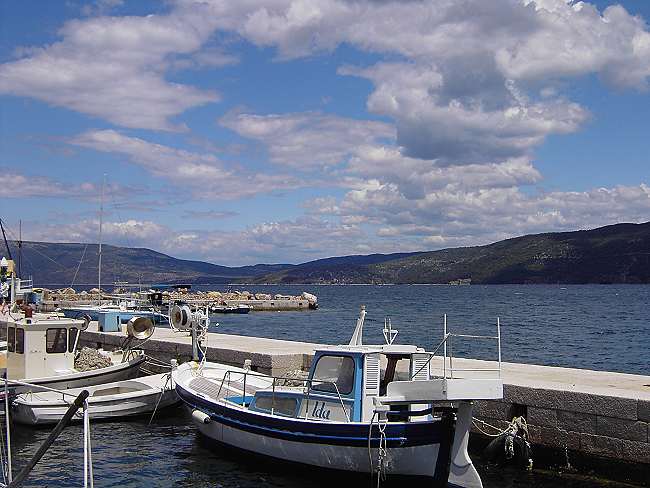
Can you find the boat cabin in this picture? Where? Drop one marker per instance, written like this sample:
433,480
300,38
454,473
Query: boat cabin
342,382
41,346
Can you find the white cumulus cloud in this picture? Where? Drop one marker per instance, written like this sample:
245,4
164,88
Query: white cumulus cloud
203,173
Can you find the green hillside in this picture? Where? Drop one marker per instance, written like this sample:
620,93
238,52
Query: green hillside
614,254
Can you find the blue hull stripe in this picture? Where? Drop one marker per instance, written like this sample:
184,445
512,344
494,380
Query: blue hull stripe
341,434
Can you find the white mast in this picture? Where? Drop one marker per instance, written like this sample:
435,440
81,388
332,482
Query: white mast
101,218
357,336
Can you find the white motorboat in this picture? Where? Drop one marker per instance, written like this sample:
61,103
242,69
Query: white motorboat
378,409
119,399
41,350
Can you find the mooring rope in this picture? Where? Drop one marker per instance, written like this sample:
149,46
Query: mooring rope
168,380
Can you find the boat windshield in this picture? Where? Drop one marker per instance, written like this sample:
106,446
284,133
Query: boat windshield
338,370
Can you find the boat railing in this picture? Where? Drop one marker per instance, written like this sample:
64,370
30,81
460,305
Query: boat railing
33,387
448,353
279,381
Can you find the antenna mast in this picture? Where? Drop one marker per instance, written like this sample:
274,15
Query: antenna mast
20,248
101,219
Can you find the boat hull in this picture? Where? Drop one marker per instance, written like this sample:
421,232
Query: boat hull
240,310
117,372
414,449
48,408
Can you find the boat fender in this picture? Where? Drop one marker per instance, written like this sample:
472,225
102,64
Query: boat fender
511,446
200,417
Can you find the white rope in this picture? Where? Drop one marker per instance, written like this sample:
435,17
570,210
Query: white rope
157,362
499,431
163,389
74,278
516,425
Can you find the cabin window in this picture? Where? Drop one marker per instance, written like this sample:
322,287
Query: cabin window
11,338
334,370
56,340
20,341
281,405
72,337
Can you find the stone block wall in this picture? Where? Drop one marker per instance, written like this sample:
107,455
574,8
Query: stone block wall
607,426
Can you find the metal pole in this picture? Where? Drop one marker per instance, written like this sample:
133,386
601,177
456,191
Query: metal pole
76,405
243,400
8,424
88,458
101,220
195,343
444,348
85,405
12,300
308,384
499,343
451,356
20,248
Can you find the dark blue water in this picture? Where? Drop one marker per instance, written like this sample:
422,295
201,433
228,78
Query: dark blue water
169,453
602,327
596,327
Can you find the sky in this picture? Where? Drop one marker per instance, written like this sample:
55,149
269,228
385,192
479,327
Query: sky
282,131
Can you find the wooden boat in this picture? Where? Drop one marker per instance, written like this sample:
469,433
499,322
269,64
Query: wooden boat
364,408
119,399
41,350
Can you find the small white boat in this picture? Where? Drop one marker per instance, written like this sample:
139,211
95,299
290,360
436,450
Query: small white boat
108,401
241,308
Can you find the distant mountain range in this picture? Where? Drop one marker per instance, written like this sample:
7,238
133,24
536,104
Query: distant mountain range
614,254
74,263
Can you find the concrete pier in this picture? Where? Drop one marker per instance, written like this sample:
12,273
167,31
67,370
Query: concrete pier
591,412
268,356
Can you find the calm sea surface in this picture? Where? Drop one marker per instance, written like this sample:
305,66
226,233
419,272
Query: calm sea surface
596,327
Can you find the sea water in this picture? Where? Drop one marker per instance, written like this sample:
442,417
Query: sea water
602,327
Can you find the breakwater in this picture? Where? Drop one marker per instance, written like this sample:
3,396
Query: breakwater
50,300
595,413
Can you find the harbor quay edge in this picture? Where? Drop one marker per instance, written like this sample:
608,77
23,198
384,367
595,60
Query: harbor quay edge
595,413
